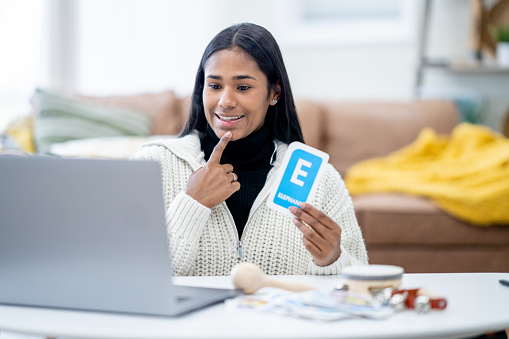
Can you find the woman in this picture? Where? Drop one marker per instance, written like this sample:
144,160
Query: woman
217,174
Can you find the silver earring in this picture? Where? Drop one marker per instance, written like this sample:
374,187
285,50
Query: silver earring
274,101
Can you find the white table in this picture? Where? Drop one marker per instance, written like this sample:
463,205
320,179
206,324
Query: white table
477,303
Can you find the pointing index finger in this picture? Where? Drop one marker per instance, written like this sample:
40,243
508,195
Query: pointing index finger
221,145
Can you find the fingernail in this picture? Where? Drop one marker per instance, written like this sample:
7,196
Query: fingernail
228,134
292,209
302,205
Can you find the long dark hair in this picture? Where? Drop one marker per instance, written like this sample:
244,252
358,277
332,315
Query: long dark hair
257,42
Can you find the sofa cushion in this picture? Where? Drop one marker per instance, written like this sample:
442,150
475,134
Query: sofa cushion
415,234
355,131
60,118
442,259
121,147
398,219
166,110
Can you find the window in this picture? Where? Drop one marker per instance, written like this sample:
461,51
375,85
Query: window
21,23
344,21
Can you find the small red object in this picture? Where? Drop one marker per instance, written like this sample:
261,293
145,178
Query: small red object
412,294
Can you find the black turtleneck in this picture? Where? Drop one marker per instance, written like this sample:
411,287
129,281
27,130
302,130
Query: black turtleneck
250,158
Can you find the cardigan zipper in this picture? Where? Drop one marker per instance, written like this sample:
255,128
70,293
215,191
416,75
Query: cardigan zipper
239,242
239,247
239,239
263,194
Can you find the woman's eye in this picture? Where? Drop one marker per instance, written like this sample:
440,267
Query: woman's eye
244,88
214,86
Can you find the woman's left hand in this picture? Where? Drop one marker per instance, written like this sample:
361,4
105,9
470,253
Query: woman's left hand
323,239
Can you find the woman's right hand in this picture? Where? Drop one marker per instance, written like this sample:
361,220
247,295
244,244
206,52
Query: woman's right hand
213,183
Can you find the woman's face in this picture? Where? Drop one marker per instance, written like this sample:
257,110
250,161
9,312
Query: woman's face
235,94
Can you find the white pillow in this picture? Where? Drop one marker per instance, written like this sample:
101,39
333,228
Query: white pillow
106,147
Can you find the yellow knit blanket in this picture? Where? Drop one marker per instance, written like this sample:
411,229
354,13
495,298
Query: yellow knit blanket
466,173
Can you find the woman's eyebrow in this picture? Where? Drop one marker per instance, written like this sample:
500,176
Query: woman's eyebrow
242,77
215,77
237,77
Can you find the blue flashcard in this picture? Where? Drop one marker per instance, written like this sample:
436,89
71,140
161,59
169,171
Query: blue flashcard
297,177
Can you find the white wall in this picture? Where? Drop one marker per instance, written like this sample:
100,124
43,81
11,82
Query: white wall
150,45
148,48
384,70
20,55
132,46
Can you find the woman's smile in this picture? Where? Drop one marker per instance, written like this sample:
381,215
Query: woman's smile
229,120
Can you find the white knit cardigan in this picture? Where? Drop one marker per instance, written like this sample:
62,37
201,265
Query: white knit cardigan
204,241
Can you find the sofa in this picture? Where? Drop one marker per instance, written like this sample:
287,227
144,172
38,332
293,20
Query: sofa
398,229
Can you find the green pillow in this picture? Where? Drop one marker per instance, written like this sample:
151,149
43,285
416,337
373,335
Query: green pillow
60,118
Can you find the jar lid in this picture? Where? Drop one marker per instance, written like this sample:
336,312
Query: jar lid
372,272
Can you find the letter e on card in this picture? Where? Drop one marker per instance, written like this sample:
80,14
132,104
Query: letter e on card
297,177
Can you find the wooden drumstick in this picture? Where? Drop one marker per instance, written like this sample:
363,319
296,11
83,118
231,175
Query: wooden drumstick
250,278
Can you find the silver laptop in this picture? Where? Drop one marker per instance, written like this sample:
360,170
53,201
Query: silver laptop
89,234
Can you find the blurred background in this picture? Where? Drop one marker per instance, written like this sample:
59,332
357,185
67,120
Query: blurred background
333,49
100,78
